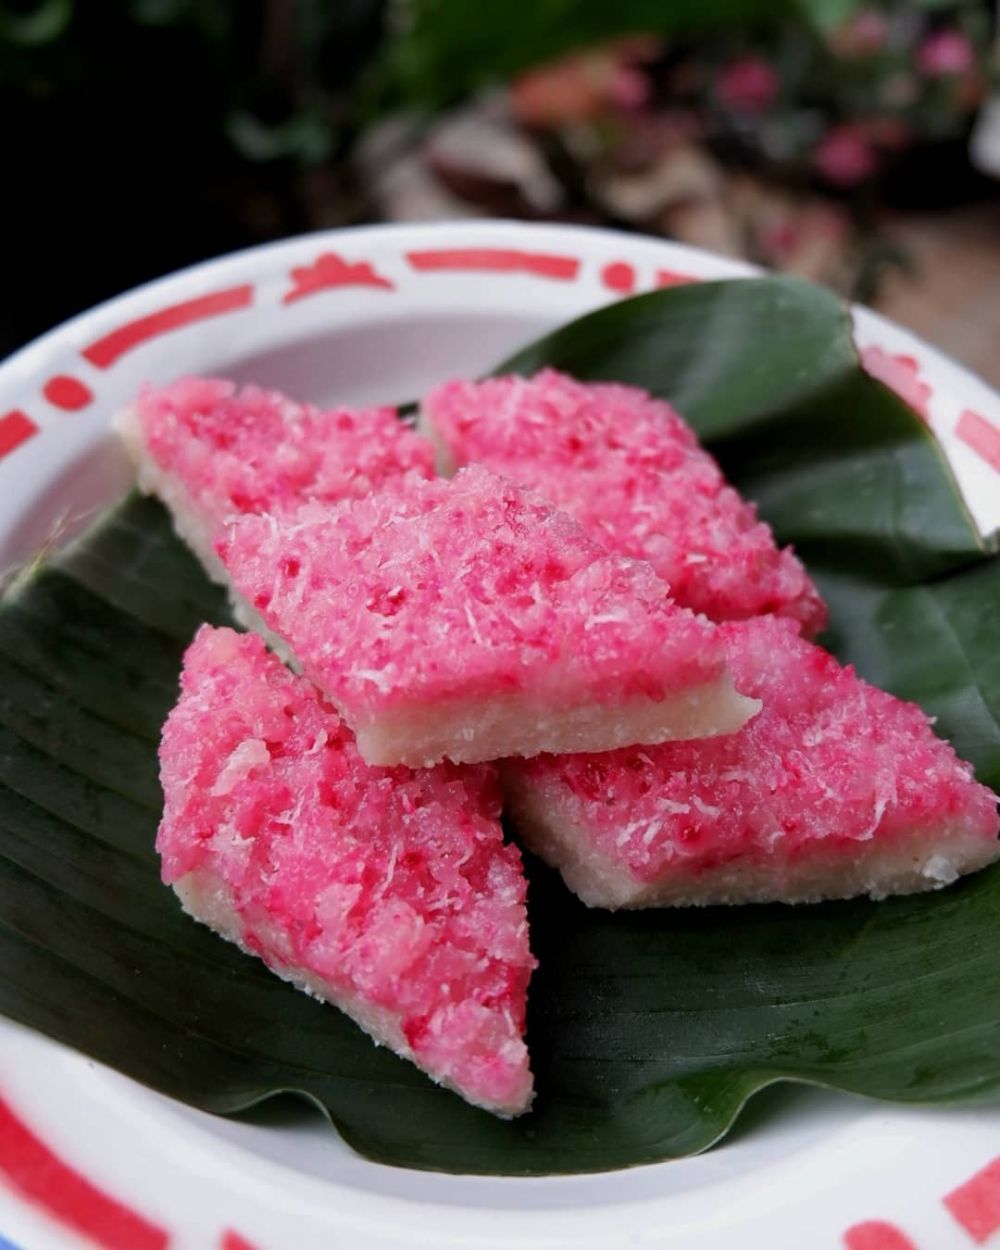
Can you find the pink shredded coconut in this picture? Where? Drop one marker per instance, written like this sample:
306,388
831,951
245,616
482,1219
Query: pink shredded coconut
387,891
431,599
831,768
629,469
254,450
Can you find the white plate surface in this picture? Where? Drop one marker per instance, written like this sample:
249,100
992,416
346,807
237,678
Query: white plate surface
378,314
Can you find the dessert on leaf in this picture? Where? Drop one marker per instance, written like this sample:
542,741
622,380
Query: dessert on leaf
387,892
210,451
470,620
835,789
630,470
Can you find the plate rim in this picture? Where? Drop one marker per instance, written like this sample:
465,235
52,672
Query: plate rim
28,361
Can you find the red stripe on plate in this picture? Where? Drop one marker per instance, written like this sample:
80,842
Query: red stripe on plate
876,1235
976,1204
114,345
233,1241
496,260
16,427
44,1179
976,432
668,277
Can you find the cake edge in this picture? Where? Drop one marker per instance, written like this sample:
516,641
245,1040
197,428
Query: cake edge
190,524
206,897
445,464
455,730
912,864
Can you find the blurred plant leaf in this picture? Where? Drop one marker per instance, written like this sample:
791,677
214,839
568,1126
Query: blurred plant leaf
43,23
829,14
451,47
306,138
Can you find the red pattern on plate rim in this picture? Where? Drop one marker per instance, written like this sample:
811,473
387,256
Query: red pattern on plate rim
976,432
232,1240
901,374
103,352
68,393
16,427
34,1171
41,1177
495,260
669,277
619,275
976,1204
876,1235
329,271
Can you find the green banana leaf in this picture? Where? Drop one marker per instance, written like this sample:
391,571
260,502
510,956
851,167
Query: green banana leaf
648,1031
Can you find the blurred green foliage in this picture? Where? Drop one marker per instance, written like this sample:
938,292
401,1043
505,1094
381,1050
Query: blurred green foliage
450,47
140,135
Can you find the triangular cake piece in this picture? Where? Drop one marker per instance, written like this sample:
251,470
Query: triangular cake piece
210,451
630,470
387,892
470,620
835,789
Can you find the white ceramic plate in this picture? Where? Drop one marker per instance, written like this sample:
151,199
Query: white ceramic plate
378,314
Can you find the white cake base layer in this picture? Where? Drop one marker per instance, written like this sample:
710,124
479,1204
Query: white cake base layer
523,724
246,615
189,523
206,897
192,528
906,865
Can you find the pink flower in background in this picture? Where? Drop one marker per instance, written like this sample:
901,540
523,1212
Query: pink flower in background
778,240
900,374
579,87
747,85
946,53
807,239
629,88
844,157
864,34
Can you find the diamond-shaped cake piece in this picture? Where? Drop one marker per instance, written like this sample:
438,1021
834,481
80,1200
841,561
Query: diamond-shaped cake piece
469,620
387,892
632,473
835,789
210,452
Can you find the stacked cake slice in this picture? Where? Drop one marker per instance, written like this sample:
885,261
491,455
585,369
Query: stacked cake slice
835,789
469,620
387,892
211,452
628,468
589,604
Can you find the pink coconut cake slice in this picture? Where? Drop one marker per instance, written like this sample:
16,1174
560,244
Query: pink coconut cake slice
630,470
835,789
210,451
386,892
469,620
